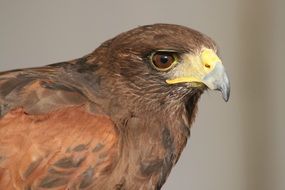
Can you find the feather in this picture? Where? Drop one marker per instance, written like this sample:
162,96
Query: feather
107,120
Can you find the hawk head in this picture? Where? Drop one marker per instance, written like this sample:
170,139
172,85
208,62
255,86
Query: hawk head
162,64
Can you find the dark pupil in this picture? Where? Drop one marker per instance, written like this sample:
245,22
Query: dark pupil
164,59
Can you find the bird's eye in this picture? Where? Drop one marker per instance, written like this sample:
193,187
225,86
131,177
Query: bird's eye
163,61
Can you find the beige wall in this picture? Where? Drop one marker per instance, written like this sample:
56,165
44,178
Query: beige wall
233,146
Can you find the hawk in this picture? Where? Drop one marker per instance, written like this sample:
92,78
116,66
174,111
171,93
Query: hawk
117,118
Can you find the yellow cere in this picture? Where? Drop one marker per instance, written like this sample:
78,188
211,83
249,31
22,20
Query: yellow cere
209,58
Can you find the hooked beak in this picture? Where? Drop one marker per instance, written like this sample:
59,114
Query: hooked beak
206,68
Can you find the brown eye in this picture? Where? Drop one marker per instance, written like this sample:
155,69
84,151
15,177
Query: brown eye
163,60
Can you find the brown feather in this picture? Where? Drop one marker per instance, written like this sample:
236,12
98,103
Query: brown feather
55,149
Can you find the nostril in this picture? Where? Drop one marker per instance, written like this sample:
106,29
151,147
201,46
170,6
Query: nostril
207,66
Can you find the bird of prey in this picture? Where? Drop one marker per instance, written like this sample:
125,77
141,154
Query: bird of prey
117,118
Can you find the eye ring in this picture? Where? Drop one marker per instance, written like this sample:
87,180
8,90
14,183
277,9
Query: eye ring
163,60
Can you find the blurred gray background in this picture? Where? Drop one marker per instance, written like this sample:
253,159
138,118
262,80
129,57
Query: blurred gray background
237,145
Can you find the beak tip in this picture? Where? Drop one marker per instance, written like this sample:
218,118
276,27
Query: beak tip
226,96
225,90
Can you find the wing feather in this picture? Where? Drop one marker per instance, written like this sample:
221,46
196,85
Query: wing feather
37,91
49,138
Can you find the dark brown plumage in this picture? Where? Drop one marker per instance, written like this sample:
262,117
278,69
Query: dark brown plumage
117,118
